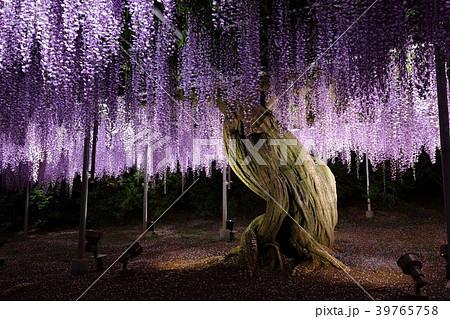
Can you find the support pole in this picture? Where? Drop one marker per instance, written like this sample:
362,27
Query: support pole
27,207
145,202
225,234
369,212
84,196
94,150
224,196
445,138
165,181
80,265
229,177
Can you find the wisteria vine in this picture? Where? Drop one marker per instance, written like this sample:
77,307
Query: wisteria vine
345,79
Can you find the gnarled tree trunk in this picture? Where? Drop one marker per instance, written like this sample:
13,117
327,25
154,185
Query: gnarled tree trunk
300,191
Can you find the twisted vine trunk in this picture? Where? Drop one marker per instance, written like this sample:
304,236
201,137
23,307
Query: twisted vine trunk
300,192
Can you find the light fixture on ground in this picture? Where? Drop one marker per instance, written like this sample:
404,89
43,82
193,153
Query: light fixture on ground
230,224
92,239
412,266
151,226
444,254
229,227
134,249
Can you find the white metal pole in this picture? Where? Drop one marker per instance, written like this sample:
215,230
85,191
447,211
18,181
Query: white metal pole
224,196
229,177
369,213
445,144
80,265
368,183
165,181
145,202
84,195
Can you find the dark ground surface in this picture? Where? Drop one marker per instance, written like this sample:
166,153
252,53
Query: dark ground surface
184,261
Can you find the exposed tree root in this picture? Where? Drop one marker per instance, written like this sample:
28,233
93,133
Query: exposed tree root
306,267
272,253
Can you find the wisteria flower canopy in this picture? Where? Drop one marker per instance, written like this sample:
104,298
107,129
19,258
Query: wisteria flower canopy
343,75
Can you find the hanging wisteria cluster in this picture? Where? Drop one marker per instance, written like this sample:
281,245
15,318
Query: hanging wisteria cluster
345,76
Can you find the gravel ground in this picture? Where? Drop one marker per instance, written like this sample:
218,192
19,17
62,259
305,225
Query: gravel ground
184,261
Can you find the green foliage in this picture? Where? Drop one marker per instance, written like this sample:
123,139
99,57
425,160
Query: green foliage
51,207
112,200
47,208
162,194
207,199
421,184
40,204
348,185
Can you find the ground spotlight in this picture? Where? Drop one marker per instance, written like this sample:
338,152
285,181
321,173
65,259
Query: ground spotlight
230,224
134,249
412,266
92,239
151,226
444,254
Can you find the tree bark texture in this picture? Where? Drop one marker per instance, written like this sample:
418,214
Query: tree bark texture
300,192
